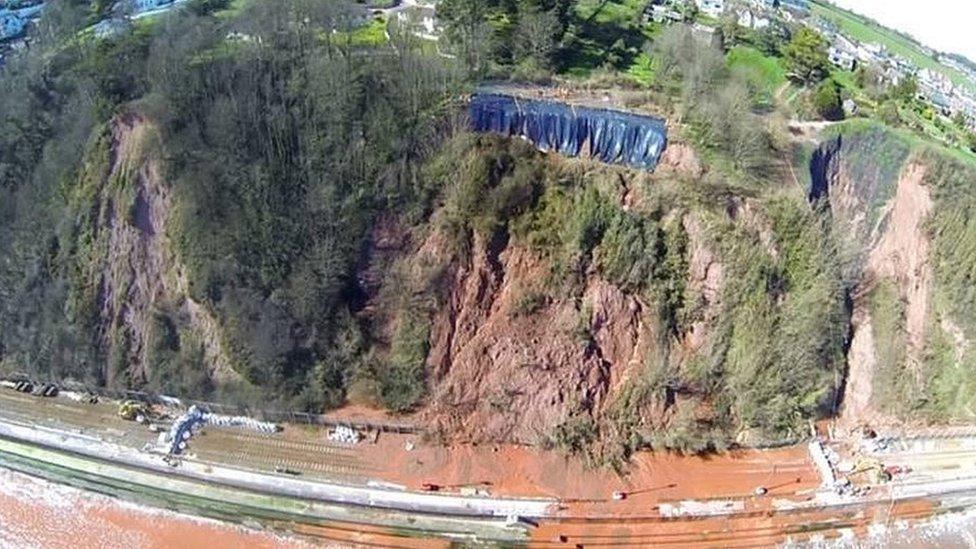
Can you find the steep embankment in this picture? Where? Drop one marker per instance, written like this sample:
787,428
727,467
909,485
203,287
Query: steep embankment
900,258
130,278
905,340
573,304
510,362
561,302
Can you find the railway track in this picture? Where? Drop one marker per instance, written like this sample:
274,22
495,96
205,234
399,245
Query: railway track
595,526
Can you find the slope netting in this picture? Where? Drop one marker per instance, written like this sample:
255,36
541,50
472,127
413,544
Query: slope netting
611,136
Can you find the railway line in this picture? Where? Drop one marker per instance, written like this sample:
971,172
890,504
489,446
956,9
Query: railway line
340,493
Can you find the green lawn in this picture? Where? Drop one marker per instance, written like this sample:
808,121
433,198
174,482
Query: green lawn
847,82
864,30
371,34
643,70
766,74
602,24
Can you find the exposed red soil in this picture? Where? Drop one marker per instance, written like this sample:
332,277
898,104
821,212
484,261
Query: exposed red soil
525,471
900,256
502,372
368,414
680,159
587,513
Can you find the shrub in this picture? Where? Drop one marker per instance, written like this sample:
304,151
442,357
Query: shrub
827,102
806,56
528,303
404,381
575,435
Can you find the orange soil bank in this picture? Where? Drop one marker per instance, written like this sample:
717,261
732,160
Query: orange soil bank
652,477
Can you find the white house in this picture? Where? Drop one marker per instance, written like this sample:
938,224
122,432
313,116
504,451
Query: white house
869,52
842,59
713,8
751,20
661,13
421,20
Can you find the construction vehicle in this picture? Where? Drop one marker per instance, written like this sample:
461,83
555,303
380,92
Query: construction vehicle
130,410
871,469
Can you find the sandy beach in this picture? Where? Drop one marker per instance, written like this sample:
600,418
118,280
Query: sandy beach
38,514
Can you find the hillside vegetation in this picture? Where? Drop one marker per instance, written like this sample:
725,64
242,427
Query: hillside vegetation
256,205
278,149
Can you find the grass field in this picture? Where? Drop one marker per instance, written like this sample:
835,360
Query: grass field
643,70
865,30
604,24
371,34
766,74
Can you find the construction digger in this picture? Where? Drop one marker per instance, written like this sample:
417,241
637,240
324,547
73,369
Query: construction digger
131,410
871,470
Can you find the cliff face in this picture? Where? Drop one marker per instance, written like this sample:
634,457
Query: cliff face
513,361
132,279
900,258
625,332
547,301
881,203
505,369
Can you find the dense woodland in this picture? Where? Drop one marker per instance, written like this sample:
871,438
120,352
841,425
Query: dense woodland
280,148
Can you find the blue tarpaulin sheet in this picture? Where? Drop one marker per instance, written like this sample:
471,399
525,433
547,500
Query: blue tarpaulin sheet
614,137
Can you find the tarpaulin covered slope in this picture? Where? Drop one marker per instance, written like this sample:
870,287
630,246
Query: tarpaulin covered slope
612,136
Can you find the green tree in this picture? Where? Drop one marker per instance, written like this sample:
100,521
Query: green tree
870,79
505,31
888,113
537,36
730,33
806,56
971,141
772,38
905,90
960,120
466,28
827,101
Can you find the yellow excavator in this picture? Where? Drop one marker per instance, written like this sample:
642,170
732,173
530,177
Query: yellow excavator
871,470
130,410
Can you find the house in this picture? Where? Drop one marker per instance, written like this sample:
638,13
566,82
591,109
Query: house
751,20
801,7
869,52
142,6
713,8
663,13
421,21
842,59
940,102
